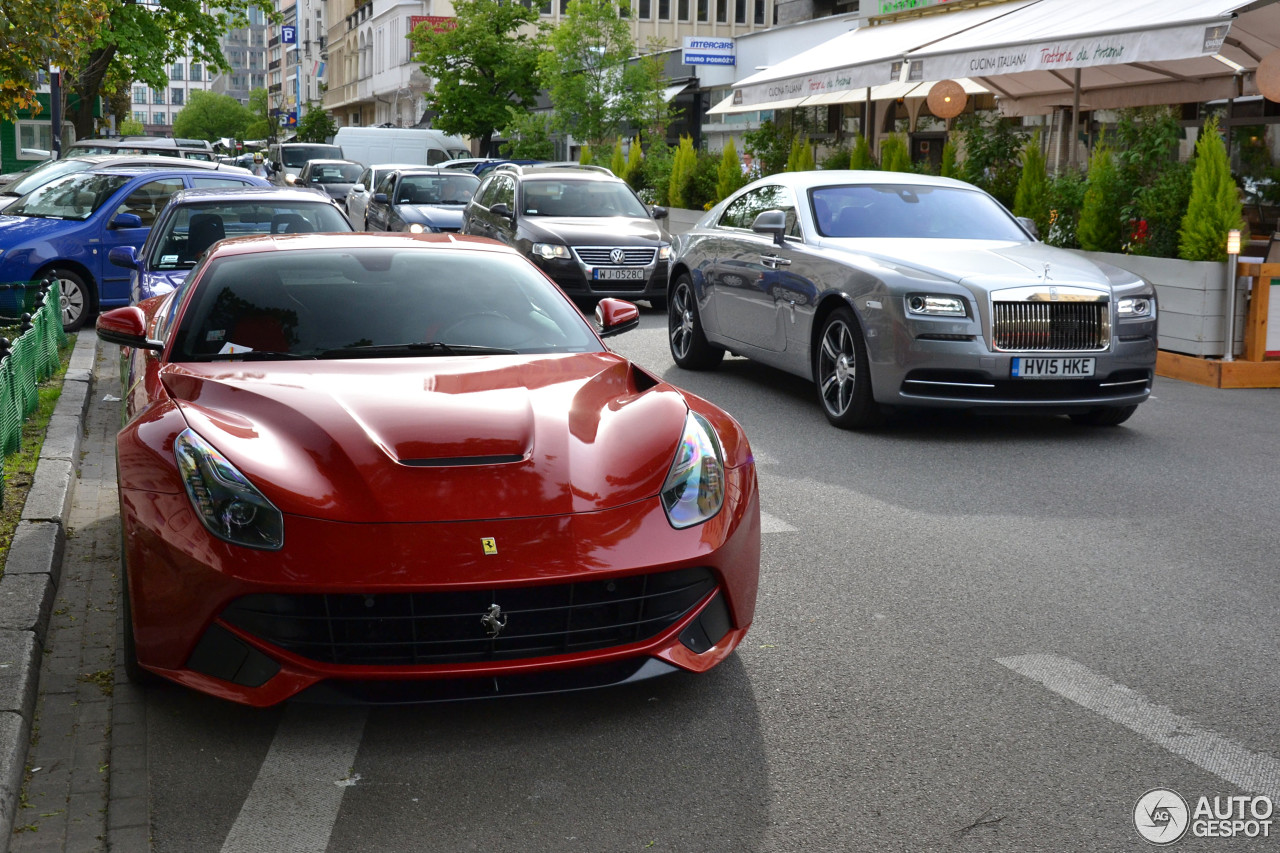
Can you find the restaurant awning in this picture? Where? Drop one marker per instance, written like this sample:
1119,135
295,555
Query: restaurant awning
853,61
1030,53
885,92
1130,53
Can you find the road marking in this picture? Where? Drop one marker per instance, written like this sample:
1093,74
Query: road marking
294,802
1254,772
773,524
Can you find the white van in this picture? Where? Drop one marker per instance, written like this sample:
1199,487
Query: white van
374,145
287,159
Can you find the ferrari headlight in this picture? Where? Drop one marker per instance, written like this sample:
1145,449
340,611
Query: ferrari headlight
694,490
547,251
224,499
1135,307
935,306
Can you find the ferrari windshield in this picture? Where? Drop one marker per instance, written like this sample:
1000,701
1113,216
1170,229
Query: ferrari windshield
912,211
71,197
384,302
192,228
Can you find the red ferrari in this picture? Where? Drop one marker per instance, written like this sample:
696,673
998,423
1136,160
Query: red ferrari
397,468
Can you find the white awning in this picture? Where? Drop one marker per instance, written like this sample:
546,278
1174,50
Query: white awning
886,92
868,56
671,91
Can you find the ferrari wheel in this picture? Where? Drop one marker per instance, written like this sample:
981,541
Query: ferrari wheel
77,297
1108,416
842,373
689,345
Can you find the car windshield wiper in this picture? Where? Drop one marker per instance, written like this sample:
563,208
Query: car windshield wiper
420,348
258,355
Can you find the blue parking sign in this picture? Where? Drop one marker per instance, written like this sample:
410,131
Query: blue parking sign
288,35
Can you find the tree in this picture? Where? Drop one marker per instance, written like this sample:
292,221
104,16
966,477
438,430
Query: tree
1031,199
316,126
682,170
862,157
618,160
894,156
37,34
635,165
262,124
584,70
730,177
483,67
950,160
1214,208
647,107
528,136
211,116
139,42
1099,228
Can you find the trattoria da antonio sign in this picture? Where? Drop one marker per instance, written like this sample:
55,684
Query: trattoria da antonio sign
1155,45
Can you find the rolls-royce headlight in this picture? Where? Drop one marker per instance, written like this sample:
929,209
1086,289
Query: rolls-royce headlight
694,490
935,306
224,499
1132,307
548,251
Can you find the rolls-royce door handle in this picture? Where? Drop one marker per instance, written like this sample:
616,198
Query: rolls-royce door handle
775,261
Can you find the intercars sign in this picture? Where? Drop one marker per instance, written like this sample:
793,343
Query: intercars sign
701,50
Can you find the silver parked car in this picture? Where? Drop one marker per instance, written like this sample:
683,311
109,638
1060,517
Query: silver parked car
358,198
898,290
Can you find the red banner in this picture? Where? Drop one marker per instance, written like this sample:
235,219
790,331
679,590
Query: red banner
437,23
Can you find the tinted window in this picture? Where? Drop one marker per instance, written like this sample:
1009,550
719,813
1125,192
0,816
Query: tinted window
296,156
581,198
73,197
192,228
219,182
149,199
911,211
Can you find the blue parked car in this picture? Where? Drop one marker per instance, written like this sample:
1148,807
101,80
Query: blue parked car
196,219
66,228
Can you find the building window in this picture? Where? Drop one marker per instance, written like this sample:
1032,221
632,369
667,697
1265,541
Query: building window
140,116
159,118
722,11
684,10
197,71
139,94
664,10
177,71
702,11
759,13
176,97
157,96
546,8
645,10
36,135
740,11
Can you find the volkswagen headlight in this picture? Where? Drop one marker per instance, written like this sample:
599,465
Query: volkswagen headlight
664,252
224,499
694,490
547,251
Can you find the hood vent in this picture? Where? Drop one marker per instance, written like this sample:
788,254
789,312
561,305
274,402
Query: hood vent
459,461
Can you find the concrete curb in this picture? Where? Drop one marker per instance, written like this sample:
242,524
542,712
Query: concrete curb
32,572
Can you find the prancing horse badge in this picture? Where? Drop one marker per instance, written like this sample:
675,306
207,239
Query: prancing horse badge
489,544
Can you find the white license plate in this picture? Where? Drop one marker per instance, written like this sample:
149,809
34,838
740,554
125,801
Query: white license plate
619,274
1057,367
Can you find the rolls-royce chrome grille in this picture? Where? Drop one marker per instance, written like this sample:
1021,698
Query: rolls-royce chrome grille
1045,321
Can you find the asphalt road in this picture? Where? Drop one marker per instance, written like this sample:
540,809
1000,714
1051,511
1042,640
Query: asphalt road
972,634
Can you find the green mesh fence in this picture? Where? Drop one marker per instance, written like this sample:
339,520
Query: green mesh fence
30,359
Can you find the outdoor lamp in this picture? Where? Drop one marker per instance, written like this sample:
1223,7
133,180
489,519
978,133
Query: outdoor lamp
1233,253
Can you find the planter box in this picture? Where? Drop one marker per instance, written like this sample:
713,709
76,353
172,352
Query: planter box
1191,299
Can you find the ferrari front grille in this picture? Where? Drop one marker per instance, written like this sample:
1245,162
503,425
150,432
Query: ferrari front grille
473,626
1051,326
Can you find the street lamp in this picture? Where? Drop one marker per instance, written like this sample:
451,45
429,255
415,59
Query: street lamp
1233,258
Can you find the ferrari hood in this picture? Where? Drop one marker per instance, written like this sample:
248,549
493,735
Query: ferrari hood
986,264
437,439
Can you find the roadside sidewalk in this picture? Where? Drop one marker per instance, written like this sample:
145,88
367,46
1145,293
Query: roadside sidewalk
66,725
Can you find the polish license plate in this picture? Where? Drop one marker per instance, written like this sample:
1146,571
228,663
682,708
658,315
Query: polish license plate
1056,367
619,274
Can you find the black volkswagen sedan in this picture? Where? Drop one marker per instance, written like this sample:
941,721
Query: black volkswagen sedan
584,226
